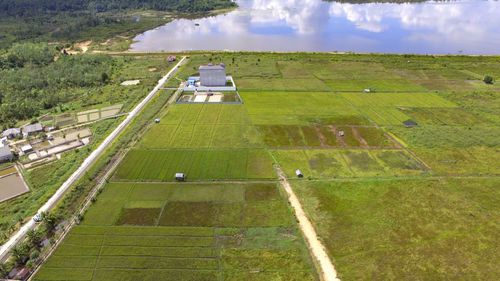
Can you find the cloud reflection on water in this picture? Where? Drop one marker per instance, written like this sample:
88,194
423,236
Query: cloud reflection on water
316,25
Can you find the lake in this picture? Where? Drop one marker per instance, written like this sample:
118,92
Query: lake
457,27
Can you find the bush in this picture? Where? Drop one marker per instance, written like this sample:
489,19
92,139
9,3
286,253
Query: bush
35,237
30,265
34,255
488,79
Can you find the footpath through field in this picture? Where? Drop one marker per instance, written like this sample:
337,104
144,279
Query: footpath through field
328,272
87,163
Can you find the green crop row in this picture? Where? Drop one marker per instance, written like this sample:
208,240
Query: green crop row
195,164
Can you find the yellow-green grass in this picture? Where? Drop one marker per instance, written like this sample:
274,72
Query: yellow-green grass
161,165
356,85
346,163
448,136
472,160
483,104
299,108
440,116
208,231
406,229
397,100
190,204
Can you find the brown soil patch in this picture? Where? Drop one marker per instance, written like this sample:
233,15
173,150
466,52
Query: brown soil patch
152,69
320,136
105,43
361,140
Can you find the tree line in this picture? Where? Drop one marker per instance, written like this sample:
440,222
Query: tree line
33,8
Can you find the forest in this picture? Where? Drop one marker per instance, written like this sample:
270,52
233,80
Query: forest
34,8
32,80
73,20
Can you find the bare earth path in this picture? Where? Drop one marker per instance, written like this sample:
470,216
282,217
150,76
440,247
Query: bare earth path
328,272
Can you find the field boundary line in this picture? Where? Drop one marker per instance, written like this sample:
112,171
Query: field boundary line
316,248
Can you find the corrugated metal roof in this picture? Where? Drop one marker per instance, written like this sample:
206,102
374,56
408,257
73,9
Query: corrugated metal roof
213,67
32,128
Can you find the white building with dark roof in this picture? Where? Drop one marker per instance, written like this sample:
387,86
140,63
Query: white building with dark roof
213,75
5,153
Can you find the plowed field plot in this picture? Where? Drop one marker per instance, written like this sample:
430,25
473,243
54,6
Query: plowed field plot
344,163
430,224
187,232
290,136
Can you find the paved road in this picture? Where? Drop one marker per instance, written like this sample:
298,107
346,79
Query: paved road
87,163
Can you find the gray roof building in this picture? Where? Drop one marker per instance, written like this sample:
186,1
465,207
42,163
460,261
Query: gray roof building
32,128
5,153
11,133
213,75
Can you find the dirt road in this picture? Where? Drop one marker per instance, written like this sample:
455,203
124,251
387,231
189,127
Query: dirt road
328,272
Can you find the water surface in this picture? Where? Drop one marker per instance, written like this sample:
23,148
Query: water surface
457,27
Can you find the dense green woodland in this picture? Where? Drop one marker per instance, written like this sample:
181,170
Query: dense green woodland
58,20
32,80
33,8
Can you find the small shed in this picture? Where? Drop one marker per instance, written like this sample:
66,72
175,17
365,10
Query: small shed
299,173
157,120
191,82
22,274
27,149
341,133
180,176
410,122
367,90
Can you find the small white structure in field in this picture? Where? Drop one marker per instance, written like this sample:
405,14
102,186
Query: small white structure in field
367,90
157,120
130,82
27,149
341,133
180,177
299,173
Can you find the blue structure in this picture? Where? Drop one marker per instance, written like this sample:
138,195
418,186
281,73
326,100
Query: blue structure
191,82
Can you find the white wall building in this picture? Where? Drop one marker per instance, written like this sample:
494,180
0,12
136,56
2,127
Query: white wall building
5,153
213,75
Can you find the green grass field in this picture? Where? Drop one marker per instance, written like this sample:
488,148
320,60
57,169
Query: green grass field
407,229
389,201
184,231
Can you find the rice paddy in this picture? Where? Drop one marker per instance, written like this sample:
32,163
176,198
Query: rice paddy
399,183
